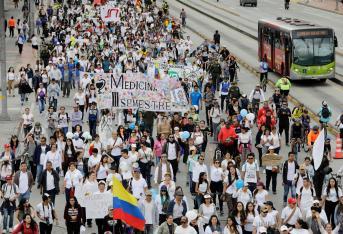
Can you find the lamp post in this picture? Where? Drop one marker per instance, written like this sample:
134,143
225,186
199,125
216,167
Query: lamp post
4,112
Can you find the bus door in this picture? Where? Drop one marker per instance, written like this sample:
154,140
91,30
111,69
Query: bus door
288,54
279,53
267,42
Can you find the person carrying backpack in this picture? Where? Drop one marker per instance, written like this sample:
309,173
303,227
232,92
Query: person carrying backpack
9,192
224,92
41,97
325,113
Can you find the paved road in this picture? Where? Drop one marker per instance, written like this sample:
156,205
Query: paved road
311,93
247,81
246,18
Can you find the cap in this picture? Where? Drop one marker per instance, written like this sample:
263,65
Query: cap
148,193
283,228
176,129
271,147
262,230
164,188
136,169
191,215
206,196
7,145
302,167
133,146
269,203
8,177
46,194
179,193
292,200
101,182
315,202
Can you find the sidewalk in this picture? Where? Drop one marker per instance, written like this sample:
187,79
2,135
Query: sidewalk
327,5
14,59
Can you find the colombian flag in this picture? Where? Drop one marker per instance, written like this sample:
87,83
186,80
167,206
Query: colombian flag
157,72
125,206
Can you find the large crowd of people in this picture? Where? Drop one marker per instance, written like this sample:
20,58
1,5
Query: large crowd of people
86,146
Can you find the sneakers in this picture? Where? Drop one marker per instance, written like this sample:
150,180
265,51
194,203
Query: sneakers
4,231
10,230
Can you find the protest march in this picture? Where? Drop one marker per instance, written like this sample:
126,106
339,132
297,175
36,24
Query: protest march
161,137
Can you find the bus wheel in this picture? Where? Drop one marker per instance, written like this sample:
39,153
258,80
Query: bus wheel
322,80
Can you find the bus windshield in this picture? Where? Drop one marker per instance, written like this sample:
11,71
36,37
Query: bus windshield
313,51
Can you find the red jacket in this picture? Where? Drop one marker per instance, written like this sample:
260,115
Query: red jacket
262,121
262,112
21,228
226,133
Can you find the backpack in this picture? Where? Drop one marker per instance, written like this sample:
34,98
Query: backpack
265,66
225,87
301,191
325,112
244,103
256,91
41,93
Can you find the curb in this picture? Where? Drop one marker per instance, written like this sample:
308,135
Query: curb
253,70
319,8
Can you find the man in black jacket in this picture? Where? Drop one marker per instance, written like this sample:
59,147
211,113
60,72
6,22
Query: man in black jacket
290,167
49,182
39,158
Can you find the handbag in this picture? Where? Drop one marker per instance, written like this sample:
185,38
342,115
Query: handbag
223,197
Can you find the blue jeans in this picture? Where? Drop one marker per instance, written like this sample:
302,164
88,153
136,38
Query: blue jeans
41,104
25,195
22,98
286,187
8,213
39,171
65,130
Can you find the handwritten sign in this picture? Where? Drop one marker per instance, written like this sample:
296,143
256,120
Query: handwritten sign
138,91
97,205
110,13
271,160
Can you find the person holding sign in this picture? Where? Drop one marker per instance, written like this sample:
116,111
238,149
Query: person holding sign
271,171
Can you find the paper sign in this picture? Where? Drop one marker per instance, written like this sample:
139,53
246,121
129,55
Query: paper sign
271,160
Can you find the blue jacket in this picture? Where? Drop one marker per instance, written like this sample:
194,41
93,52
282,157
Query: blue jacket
38,152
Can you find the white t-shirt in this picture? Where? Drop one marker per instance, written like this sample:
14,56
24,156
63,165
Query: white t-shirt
332,196
216,174
101,174
93,161
260,221
287,211
23,182
306,199
80,98
188,230
260,197
28,119
45,212
72,178
138,187
115,143
291,171
250,170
